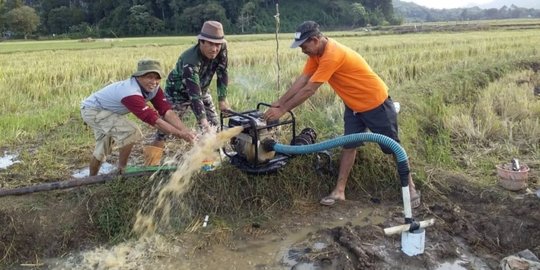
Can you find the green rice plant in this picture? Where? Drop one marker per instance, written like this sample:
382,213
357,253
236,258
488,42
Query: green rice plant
503,124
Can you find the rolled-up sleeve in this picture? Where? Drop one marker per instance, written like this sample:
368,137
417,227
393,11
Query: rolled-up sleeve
137,105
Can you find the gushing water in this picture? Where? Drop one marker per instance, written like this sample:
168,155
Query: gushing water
171,192
143,252
132,254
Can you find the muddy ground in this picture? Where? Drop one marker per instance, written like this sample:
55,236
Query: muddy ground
474,229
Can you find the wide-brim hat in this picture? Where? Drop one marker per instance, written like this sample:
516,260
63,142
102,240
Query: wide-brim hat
212,31
304,31
148,65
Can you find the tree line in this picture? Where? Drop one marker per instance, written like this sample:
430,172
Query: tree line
122,18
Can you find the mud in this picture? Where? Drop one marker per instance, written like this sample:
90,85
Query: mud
39,226
475,228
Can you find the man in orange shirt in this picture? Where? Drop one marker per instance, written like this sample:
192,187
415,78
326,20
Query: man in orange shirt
367,104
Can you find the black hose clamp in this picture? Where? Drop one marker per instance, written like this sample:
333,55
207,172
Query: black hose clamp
413,224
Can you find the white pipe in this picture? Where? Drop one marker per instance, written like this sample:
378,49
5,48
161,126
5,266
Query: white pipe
406,202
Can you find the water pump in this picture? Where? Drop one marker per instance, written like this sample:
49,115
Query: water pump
249,153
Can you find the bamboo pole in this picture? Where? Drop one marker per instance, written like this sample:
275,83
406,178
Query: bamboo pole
406,227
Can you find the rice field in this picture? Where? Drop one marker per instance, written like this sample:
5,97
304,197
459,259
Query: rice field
457,90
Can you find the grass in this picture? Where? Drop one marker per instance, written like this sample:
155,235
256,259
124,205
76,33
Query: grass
466,98
114,214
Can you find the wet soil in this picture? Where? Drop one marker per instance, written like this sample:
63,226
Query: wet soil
475,228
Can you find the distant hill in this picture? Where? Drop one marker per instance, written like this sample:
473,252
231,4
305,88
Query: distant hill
519,3
412,12
493,4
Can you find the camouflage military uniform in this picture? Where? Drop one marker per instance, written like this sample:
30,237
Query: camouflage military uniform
188,83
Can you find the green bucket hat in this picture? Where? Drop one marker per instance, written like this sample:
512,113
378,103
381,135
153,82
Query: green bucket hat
148,65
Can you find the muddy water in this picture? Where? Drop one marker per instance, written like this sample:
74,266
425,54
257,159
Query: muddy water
466,260
180,181
155,214
271,251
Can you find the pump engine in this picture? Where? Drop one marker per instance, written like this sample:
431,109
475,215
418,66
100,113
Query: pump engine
248,151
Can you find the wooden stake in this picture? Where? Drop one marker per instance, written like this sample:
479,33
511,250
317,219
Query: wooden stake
405,227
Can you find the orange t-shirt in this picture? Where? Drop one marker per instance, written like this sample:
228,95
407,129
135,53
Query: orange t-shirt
349,75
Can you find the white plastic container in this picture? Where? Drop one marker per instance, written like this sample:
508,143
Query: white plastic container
413,243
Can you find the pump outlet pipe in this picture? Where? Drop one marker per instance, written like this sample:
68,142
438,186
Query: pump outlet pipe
89,180
401,159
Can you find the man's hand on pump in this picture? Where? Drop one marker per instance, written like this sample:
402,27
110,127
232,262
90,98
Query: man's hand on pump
273,113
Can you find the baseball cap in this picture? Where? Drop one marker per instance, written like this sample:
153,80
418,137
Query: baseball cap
304,31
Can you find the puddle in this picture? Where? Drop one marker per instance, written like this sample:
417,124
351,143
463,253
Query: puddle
8,160
277,252
288,256
105,168
456,265
466,260
464,263
272,252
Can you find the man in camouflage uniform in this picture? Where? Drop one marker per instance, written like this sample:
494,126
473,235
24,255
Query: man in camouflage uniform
188,83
